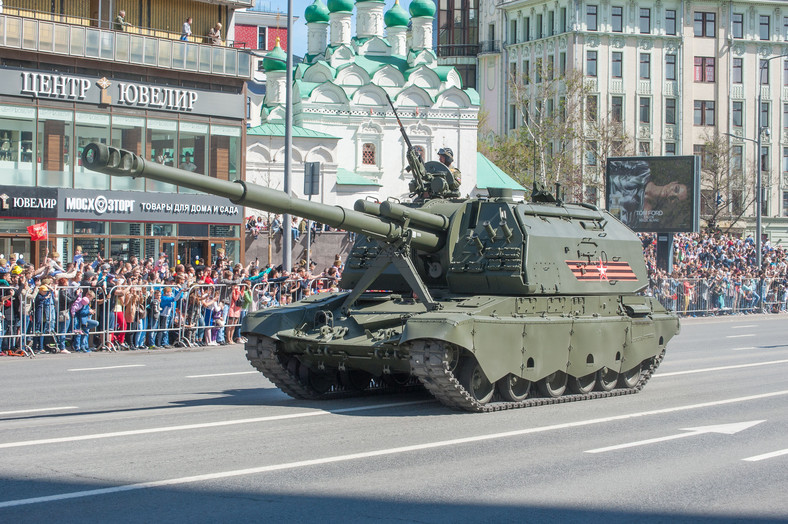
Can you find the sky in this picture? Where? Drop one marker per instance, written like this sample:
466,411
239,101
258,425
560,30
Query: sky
299,26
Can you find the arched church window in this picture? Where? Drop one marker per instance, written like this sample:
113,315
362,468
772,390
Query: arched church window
368,154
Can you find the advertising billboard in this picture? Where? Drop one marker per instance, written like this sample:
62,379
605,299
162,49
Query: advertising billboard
655,193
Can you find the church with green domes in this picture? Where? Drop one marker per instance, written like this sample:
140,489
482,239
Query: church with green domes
341,116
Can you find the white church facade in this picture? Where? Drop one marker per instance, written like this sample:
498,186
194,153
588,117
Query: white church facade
341,115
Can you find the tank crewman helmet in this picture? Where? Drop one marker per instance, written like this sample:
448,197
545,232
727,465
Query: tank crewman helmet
448,153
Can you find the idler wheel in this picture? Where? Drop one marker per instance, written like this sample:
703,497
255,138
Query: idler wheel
629,379
513,388
320,381
355,379
554,384
451,357
606,379
476,382
582,385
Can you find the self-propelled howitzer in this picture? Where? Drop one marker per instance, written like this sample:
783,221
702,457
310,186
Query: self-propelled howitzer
482,298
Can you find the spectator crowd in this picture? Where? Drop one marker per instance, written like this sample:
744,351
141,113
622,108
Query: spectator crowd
112,304
718,274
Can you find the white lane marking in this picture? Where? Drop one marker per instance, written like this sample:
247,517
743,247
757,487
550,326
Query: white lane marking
765,456
721,368
744,326
740,336
224,374
742,349
726,429
375,453
37,410
185,427
109,367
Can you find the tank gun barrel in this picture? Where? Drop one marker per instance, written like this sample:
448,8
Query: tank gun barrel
119,162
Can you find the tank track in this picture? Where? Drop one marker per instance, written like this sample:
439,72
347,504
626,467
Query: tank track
265,358
429,364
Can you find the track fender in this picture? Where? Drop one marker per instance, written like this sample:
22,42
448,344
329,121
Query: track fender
454,328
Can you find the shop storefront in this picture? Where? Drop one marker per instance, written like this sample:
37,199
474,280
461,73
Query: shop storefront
47,118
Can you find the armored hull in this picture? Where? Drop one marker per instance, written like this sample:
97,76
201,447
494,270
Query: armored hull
488,303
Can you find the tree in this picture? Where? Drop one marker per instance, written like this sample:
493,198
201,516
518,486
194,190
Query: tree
727,188
560,135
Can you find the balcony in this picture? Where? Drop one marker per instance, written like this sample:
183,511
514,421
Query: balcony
78,40
489,46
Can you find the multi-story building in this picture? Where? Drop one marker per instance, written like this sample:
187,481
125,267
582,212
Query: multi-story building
457,37
672,72
71,73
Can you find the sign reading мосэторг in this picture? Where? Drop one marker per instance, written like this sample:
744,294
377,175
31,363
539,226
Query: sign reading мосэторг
125,206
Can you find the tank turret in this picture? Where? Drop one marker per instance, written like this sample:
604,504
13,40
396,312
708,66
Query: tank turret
482,297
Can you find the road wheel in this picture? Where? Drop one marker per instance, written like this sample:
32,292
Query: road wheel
553,385
606,379
582,385
629,379
513,388
476,382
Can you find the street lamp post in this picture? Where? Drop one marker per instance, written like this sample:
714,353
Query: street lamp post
759,160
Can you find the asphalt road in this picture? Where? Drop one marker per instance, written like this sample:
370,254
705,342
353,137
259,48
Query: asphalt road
197,436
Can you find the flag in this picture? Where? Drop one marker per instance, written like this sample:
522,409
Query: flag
38,231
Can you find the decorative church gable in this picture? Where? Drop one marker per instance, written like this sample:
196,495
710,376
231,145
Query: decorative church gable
453,79
422,57
424,77
388,76
352,75
373,46
319,72
328,93
370,95
453,98
414,96
339,56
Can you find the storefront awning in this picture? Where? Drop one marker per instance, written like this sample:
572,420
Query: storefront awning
490,175
351,178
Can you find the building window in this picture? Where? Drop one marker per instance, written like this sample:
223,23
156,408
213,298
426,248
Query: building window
645,110
563,19
704,112
670,110
644,148
526,72
617,19
645,66
592,107
785,159
738,73
617,109
704,69
764,158
705,24
785,73
562,62
737,114
368,154
763,67
764,114
591,146
527,29
591,18
513,72
764,27
785,203
616,64
512,117
670,21
670,148
551,23
539,26
670,67
785,117
737,163
645,21
262,38
591,63
738,25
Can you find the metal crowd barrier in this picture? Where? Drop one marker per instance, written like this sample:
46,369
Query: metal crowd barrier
135,317
704,297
